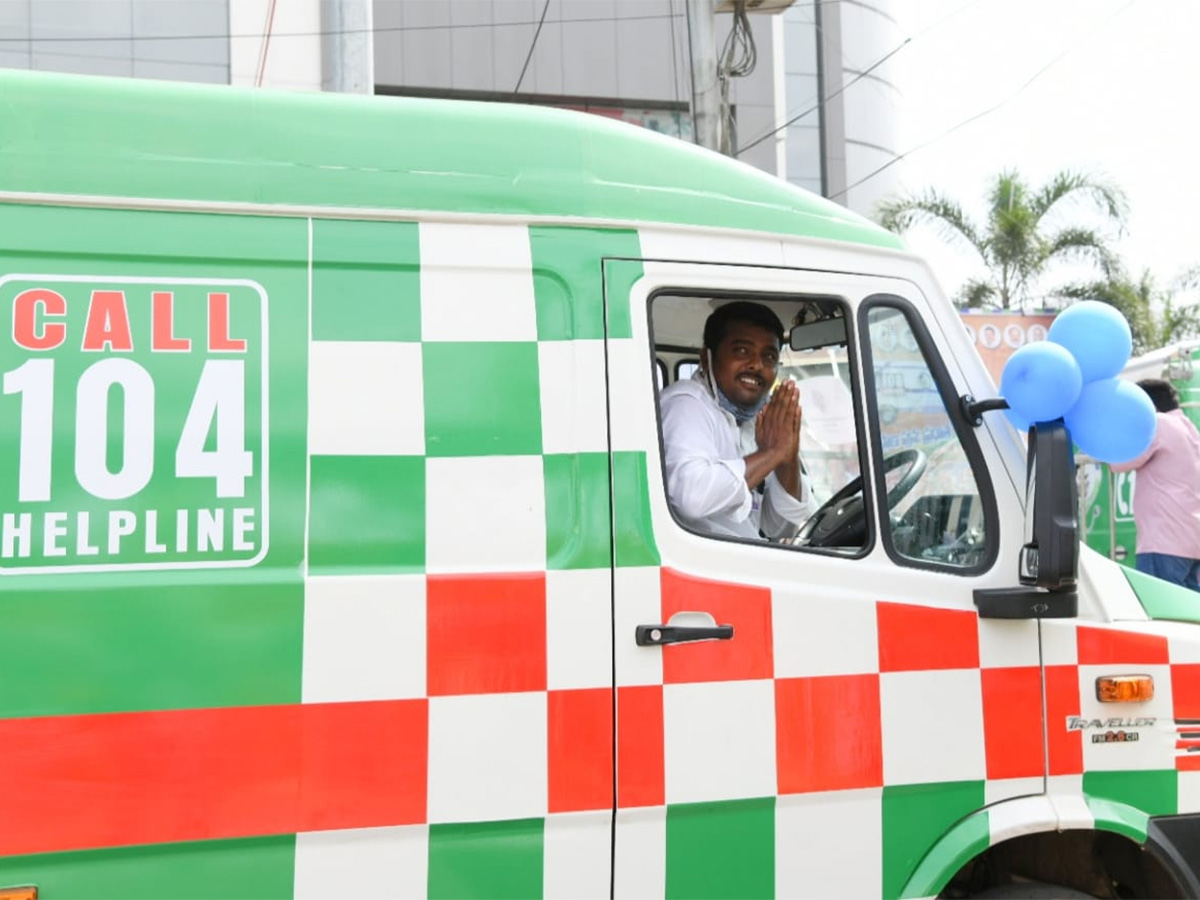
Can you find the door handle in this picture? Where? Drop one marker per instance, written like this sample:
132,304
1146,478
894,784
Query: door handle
656,635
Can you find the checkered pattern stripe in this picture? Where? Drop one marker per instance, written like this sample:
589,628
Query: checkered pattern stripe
494,614
1156,775
460,548
835,738
454,734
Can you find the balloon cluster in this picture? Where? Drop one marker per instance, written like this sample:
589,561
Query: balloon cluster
1072,375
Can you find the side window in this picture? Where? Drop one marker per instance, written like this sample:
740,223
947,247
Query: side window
726,477
939,512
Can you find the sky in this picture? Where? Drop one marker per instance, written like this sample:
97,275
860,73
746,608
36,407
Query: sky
1118,98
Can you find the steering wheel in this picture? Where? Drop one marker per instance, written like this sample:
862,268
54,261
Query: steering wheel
841,520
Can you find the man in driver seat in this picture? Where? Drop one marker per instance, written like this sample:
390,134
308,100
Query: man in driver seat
732,447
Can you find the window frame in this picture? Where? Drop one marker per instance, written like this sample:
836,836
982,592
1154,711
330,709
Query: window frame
964,431
856,392
680,363
664,379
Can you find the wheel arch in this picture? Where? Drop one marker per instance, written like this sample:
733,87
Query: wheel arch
1046,822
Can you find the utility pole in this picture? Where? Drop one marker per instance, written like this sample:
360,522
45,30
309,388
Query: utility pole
347,48
831,107
706,93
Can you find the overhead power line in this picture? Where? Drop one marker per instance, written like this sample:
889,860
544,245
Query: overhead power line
325,33
532,45
266,46
817,101
991,109
796,118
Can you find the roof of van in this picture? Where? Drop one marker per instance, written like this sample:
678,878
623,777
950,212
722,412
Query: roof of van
135,138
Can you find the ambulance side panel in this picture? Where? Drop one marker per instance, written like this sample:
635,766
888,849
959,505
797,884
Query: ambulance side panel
151,670
409,691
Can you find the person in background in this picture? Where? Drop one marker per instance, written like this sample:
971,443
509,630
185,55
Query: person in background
732,448
1166,497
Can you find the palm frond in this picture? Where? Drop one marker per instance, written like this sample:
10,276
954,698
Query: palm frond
934,209
1082,243
1133,299
1179,321
1187,279
1108,198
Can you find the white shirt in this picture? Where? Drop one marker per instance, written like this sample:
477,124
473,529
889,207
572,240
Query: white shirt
705,452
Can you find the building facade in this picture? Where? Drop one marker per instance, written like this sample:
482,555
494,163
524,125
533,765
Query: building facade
627,59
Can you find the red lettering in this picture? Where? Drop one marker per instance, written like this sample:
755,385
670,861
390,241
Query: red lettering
164,322
218,326
26,307
107,323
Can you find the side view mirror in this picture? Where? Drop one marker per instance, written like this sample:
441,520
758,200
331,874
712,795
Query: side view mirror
1049,563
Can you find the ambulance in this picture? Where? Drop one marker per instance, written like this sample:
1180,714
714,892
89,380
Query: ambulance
336,558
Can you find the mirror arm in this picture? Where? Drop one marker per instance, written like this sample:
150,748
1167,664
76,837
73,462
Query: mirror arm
974,409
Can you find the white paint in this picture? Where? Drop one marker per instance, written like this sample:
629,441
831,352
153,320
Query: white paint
997,790
640,870
476,283
368,863
631,404
574,414
814,834
1060,642
364,638
719,740
487,757
924,742
819,635
577,857
639,602
579,628
1066,793
485,514
1189,792
1005,643
365,398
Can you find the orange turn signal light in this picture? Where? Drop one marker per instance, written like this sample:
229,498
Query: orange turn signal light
1125,688
26,892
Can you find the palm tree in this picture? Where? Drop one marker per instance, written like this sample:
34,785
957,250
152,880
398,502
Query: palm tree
1020,237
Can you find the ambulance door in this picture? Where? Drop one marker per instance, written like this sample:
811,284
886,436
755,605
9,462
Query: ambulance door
808,718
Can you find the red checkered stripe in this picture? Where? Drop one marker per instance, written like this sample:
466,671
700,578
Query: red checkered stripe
829,726
508,677
824,703
1076,655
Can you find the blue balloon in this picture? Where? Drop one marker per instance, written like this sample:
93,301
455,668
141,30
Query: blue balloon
1097,335
1113,421
1040,382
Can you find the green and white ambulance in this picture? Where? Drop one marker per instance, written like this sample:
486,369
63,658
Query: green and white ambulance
336,558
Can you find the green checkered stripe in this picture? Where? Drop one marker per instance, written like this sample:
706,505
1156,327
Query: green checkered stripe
457,426
735,849
451,372
457,401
